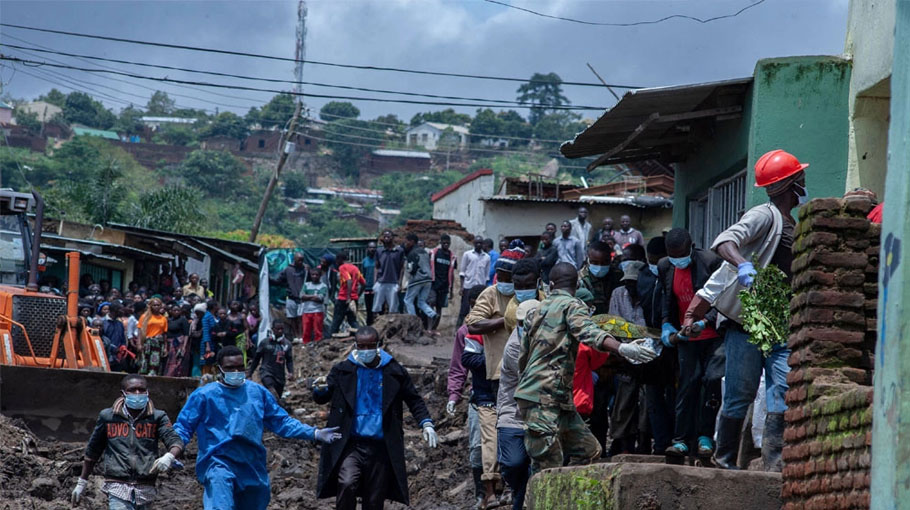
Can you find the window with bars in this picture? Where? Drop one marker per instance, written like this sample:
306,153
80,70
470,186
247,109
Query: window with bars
718,208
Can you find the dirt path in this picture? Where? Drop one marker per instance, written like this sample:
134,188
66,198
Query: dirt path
40,475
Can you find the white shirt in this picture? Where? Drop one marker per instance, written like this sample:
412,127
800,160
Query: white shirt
475,268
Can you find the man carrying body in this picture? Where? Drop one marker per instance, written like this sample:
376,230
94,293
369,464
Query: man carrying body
764,234
581,227
544,393
442,269
570,249
627,234
475,266
127,435
366,392
228,418
292,279
389,262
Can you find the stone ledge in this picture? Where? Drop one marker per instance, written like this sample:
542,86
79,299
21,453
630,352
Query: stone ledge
652,487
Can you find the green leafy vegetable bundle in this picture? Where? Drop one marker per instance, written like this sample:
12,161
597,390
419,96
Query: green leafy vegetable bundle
766,309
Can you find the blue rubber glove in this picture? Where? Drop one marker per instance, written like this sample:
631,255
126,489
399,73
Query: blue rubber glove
665,331
745,273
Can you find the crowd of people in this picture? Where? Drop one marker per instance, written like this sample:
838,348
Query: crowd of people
549,385
589,334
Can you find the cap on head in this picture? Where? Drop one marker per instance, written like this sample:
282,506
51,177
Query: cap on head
507,259
524,307
775,166
631,271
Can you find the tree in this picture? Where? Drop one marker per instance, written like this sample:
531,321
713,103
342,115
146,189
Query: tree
277,112
105,197
295,184
334,110
543,91
160,104
54,97
77,159
558,126
348,151
226,124
486,124
172,208
80,108
447,116
129,121
28,121
217,173
176,134
411,193
252,117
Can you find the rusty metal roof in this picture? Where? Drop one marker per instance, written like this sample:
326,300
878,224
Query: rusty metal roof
651,123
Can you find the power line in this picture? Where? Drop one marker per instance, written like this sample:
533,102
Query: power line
631,24
307,94
312,62
268,80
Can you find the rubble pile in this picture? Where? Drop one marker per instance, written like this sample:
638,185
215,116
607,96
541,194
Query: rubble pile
40,475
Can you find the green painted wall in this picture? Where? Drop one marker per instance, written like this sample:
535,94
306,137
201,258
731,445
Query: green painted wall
800,104
721,153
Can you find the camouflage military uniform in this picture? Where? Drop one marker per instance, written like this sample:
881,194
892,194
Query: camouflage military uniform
601,288
544,392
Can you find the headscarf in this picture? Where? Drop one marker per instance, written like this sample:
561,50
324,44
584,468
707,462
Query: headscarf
102,305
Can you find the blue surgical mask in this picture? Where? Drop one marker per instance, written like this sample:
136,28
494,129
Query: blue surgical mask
681,262
136,402
233,378
506,289
802,195
598,271
366,356
524,295
653,268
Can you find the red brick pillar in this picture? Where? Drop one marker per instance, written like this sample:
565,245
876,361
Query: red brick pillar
832,337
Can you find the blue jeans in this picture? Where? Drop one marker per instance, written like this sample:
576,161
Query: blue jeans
745,363
660,400
115,503
701,366
420,292
514,463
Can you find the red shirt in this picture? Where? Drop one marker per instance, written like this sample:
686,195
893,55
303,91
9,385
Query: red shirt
685,293
346,273
587,361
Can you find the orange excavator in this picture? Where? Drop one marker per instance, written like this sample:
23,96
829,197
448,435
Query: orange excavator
54,371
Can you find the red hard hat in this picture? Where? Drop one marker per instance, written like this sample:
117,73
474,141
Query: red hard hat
776,166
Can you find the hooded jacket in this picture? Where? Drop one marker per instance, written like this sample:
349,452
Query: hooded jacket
130,446
341,391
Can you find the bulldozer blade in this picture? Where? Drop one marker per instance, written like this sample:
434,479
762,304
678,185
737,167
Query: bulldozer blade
63,404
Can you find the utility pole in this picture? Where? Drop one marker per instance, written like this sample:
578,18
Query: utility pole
286,146
891,418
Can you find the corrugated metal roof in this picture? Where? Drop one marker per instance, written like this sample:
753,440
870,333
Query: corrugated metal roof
401,154
644,123
95,132
642,202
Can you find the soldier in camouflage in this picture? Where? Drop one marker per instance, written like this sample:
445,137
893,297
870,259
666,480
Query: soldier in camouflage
547,364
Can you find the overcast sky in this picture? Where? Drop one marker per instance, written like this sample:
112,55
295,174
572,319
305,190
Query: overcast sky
474,37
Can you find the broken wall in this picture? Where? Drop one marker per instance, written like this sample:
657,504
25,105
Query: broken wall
832,337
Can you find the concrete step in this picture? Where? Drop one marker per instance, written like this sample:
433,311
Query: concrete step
643,486
635,458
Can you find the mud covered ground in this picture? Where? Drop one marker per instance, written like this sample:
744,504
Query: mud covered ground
36,474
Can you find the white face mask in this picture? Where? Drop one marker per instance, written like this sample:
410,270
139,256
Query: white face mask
802,195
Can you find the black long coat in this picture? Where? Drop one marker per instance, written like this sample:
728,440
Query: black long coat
397,388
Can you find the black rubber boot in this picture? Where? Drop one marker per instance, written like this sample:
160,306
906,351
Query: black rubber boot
728,431
478,487
772,442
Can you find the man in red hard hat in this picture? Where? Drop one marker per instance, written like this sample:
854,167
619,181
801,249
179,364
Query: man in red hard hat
763,236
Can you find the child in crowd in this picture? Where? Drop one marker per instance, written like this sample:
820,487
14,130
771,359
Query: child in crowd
313,295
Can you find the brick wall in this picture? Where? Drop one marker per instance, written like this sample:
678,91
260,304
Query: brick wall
832,338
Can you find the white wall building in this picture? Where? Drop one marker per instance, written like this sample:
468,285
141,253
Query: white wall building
44,110
427,135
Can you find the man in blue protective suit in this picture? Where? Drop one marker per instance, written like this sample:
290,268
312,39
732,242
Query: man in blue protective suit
229,417
366,392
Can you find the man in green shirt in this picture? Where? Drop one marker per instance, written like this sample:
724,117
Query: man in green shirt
547,364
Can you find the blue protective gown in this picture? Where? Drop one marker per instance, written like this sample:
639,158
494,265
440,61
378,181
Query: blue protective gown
229,422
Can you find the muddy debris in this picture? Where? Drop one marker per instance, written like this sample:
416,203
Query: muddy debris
40,475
